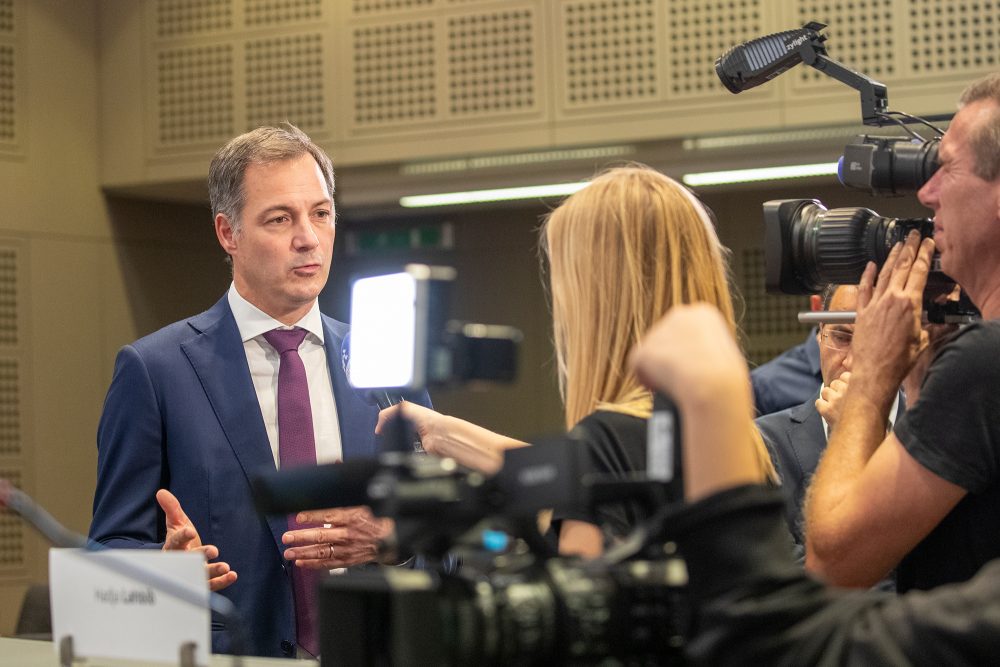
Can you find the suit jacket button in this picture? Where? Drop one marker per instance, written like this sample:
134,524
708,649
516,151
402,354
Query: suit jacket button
287,647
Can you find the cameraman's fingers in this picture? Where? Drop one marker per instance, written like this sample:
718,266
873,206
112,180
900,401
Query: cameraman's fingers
904,263
866,286
885,273
917,278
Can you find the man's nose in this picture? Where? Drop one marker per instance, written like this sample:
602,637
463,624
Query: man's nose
927,194
305,236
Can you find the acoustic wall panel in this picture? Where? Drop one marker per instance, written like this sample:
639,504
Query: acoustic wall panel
770,320
394,73
698,33
952,38
491,63
195,94
6,17
11,531
611,54
861,33
375,7
11,78
188,18
8,93
285,81
274,13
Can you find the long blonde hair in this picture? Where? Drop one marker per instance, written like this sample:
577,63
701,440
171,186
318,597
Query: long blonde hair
621,252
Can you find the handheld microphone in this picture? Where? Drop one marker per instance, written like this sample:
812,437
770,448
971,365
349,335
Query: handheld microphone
759,60
342,484
380,397
60,536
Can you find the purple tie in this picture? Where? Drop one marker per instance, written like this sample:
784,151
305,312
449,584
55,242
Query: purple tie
296,447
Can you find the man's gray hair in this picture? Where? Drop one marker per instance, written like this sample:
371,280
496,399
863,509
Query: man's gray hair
265,145
985,138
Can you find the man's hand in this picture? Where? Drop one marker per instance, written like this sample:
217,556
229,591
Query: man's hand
183,536
344,536
887,333
830,401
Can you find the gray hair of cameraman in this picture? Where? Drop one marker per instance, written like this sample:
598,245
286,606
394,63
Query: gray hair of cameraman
985,137
265,145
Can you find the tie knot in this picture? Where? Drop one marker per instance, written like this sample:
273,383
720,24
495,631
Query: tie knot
284,340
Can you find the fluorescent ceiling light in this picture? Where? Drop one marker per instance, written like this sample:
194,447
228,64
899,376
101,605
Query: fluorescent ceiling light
759,174
499,194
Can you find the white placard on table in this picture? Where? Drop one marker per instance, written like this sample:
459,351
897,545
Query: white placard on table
100,599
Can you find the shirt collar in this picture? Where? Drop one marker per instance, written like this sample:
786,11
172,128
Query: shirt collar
252,321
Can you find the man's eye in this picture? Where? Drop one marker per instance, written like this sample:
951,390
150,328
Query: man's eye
278,219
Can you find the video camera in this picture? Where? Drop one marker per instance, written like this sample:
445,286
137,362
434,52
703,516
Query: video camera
808,246
513,599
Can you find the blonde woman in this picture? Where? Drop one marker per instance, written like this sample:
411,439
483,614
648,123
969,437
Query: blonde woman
620,253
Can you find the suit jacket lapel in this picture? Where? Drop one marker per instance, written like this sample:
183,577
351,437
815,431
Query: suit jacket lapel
218,358
357,418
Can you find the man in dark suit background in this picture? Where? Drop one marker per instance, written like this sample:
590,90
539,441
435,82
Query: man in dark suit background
192,414
796,436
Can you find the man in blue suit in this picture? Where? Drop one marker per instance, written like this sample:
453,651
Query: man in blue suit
796,436
192,412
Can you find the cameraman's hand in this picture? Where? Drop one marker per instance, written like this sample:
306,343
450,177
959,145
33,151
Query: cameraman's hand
888,337
343,536
830,401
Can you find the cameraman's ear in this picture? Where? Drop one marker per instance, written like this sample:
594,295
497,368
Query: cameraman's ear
815,302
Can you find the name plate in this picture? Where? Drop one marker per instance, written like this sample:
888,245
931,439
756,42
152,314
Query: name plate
102,600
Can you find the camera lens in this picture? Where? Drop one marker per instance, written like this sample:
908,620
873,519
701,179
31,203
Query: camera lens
808,246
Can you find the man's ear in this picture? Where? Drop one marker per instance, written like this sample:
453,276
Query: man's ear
815,302
225,233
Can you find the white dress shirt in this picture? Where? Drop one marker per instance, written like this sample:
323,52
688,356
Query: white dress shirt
264,362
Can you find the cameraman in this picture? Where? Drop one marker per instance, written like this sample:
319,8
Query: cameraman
927,495
755,605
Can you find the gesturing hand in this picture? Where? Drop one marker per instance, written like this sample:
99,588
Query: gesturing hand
352,537
183,536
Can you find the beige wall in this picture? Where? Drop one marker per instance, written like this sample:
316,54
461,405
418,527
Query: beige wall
93,274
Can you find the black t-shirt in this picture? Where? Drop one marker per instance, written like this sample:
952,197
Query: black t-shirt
616,445
954,431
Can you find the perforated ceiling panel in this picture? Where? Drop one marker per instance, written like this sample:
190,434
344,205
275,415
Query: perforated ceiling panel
363,7
11,528
394,73
491,62
195,94
699,32
6,17
770,321
949,36
860,35
285,81
185,18
8,94
611,51
270,13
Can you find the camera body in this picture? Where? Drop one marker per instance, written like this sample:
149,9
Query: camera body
514,600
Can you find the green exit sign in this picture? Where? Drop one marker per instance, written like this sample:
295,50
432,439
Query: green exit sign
438,236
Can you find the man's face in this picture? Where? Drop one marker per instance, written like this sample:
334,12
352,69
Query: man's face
281,254
966,208
835,339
